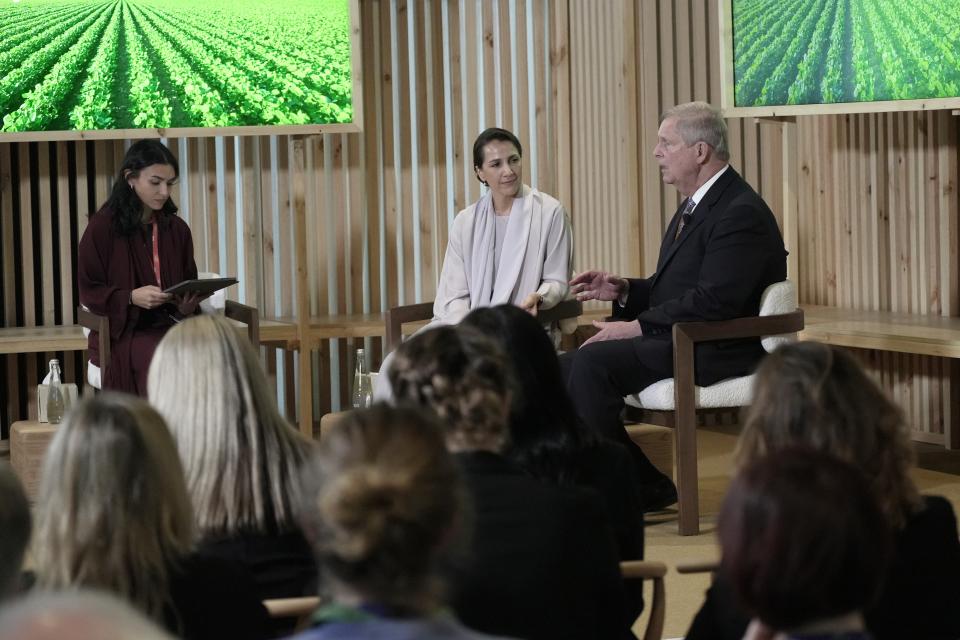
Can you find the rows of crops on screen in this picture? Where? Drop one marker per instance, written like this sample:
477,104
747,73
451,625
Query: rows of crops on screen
827,51
83,65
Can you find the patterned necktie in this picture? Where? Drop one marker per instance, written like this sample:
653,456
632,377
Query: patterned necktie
685,217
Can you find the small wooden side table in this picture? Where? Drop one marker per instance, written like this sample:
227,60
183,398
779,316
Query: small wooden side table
29,441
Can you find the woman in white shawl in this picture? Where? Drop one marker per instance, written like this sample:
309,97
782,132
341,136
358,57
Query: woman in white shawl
513,245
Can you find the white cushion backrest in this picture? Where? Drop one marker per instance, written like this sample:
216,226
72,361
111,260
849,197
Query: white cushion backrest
218,301
778,298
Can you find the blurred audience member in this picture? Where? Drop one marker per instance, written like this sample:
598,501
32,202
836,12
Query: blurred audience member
543,563
804,545
75,615
815,396
15,527
382,505
548,440
241,458
113,514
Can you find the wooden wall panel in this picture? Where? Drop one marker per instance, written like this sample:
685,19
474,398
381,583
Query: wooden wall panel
603,192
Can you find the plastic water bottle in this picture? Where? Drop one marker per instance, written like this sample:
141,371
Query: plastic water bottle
362,387
55,403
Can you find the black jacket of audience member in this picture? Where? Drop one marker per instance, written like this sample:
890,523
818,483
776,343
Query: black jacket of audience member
281,564
920,599
542,563
210,598
606,467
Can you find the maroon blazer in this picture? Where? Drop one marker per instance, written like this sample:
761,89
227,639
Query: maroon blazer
110,266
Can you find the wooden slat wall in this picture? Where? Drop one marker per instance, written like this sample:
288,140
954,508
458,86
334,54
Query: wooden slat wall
877,214
603,188
374,207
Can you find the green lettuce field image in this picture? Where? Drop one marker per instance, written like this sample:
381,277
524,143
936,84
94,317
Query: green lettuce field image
827,51
84,65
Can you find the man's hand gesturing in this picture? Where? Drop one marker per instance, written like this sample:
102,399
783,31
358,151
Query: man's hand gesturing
598,285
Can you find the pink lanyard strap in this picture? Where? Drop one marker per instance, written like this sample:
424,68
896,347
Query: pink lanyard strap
156,254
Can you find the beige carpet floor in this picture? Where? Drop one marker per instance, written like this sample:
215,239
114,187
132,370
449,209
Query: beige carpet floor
938,472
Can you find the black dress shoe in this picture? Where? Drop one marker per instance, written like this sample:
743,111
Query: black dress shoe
658,495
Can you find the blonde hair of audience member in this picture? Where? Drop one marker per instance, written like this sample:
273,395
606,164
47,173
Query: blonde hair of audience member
809,394
240,456
463,376
113,511
15,524
382,498
77,615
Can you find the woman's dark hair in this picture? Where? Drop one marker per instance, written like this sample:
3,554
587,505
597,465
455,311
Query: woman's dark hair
488,136
126,206
545,433
803,538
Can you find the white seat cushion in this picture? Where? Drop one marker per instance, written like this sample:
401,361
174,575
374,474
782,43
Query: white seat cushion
778,298
732,392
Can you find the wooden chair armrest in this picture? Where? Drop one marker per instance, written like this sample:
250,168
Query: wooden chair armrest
740,327
687,334
655,571
397,316
291,607
563,310
703,566
100,324
642,569
246,314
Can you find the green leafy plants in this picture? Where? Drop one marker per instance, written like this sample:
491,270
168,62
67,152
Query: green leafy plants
121,64
827,51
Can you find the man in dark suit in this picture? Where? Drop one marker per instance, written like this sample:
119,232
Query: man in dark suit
721,250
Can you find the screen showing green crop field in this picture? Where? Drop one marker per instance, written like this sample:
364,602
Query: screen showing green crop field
797,52
82,65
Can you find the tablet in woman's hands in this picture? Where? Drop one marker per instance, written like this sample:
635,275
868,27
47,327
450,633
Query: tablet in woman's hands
204,286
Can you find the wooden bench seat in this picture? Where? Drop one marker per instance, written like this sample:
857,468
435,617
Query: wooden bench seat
70,337
927,335
42,339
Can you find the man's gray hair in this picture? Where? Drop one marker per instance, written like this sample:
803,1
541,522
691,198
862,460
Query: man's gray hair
700,122
15,525
79,615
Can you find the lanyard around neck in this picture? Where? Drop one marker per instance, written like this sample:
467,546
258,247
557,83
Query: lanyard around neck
156,253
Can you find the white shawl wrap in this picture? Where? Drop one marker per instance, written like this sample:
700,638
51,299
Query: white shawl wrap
536,256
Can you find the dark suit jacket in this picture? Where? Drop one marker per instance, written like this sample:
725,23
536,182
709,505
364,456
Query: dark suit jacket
542,562
920,598
717,270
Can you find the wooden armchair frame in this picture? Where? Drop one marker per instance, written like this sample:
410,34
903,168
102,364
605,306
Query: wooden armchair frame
101,324
654,571
684,416
396,317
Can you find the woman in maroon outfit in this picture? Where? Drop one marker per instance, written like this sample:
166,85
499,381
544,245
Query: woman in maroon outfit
133,248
